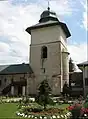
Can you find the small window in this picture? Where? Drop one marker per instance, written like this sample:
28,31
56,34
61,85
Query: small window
5,79
86,81
0,83
44,52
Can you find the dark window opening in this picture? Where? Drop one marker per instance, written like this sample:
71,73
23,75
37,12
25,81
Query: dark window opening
44,52
86,81
0,83
5,79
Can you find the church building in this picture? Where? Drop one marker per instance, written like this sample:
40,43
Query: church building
49,57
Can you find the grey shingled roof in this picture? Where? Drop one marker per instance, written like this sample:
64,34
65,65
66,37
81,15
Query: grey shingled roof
83,63
2,67
15,69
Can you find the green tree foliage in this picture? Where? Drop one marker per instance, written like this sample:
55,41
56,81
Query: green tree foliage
71,65
43,97
86,102
66,89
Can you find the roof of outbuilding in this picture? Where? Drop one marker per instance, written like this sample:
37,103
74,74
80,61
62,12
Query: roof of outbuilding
15,69
83,63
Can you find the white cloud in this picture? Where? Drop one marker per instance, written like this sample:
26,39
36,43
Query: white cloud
14,19
78,52
4,47
63,7
85,14
85,20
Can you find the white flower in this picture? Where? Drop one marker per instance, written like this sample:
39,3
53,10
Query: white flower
32,99
61,101
18,113
54,101
50,117
22,114
14,100
68,114
35,117
32,116
69,101
54,116
65,116
62,116
29,116
40,117
23,106
25,115
8,100
85,115
45,117
58,116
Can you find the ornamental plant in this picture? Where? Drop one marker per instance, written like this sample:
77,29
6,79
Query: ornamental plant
79,110
86,102
43,97
75,110
85,106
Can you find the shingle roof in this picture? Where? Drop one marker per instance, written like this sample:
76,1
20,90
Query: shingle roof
83,63
2,67
15,69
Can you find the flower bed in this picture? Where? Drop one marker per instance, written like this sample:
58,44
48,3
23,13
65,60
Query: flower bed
58,116
34,110
78,111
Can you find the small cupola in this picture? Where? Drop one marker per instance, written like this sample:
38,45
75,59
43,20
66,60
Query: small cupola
48,15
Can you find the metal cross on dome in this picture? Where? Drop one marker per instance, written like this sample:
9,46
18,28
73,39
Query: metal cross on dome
48,5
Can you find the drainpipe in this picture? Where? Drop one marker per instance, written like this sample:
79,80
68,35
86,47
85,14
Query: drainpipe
84,81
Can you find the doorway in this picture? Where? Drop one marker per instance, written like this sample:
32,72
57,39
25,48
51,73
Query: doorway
19,90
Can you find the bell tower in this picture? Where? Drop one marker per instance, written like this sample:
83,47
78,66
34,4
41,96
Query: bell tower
48,51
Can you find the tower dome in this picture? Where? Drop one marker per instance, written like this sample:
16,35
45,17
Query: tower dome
48,15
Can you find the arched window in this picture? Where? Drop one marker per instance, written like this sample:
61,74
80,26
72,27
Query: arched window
44,52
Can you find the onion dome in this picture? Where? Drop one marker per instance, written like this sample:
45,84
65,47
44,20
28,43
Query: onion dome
48,15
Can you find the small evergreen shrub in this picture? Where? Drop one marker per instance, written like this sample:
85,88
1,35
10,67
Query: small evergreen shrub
43,97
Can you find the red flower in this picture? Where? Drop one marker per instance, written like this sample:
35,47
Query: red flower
83,109
70,108
86,110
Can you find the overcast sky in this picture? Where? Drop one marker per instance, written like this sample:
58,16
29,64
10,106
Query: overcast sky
17,15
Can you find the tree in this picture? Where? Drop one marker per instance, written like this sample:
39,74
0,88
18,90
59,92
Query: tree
43,97
86,102
66,89
71,70
71,65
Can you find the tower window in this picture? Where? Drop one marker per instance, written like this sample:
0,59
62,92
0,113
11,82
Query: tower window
5,79
0,82
44,52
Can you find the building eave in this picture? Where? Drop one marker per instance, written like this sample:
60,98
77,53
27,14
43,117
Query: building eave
42,25
83,64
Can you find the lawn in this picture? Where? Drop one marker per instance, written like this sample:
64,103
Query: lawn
8,110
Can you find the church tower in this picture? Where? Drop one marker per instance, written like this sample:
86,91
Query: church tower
48,52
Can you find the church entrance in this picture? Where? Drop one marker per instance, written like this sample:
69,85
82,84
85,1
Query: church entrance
19,90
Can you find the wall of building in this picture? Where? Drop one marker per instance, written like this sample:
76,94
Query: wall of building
55,40
86,72
7,79
85,77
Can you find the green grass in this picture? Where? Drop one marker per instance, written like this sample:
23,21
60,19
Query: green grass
8,110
